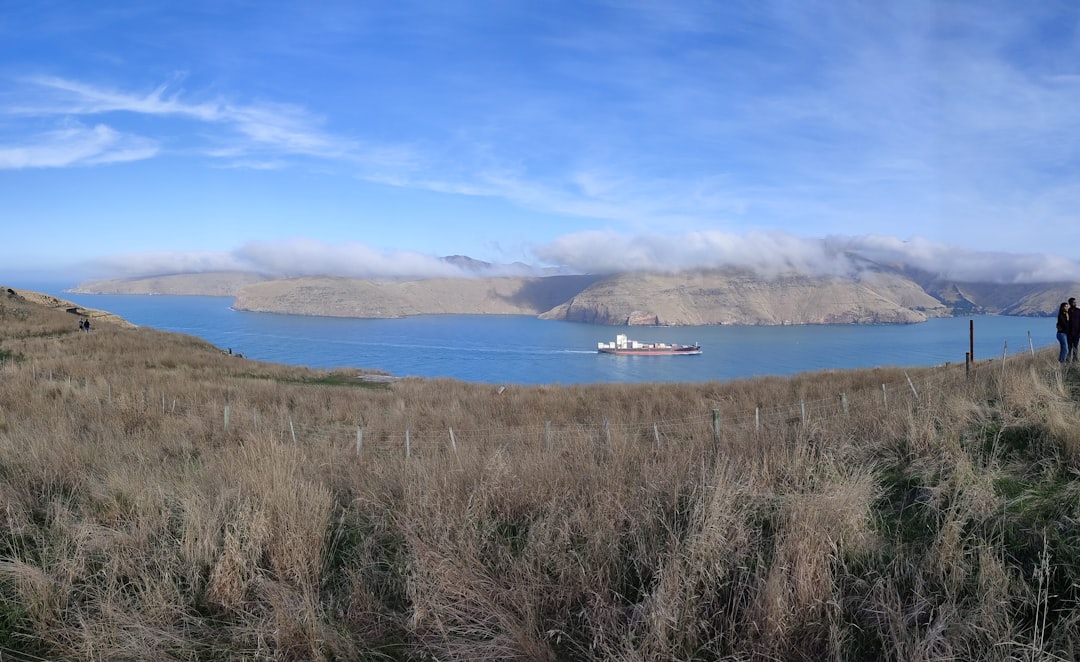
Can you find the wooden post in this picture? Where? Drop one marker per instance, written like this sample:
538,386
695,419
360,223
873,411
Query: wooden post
453,444
757,419
843,403
227,418
802,411
292,429
607,431
408,450
716,429
1031,344
884,399
547,435
967,365
656,434
359,440
912,385
162,404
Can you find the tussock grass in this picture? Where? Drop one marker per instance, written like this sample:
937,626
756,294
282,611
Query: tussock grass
161,500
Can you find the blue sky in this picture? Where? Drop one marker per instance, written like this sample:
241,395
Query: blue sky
368,138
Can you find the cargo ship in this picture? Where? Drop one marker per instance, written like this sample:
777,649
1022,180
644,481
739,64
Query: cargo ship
622,345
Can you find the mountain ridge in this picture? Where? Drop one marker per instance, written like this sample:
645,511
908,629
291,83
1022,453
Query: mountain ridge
877,294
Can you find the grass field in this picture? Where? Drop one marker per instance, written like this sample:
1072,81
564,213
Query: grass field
162,500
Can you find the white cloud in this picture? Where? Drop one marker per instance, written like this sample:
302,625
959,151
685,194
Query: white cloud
769,254
301,256
773,253
286,128
134,265
76,145
285,258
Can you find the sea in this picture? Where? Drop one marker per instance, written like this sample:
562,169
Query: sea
526,350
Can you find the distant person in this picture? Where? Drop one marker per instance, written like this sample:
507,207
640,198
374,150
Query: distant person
1074,329
86,326
1063,331
82,324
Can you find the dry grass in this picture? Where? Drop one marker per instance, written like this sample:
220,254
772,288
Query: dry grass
817,517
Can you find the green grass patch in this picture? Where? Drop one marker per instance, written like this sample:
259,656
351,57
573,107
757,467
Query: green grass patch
331,379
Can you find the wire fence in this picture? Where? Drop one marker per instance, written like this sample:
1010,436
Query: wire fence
281,423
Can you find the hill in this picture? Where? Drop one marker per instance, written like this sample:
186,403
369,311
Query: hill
350,297
162,500
876,294
216,284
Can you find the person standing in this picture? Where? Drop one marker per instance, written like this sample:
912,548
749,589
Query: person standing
1063,331
1074,329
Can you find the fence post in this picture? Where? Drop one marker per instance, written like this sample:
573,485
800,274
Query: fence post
359,439
607,431
408,450
716,429
884,399
547,435
227,419
843,403
656,434
912,385
453,443
757,419
802,411
1031,344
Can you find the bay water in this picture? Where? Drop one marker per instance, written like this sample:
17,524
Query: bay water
525,350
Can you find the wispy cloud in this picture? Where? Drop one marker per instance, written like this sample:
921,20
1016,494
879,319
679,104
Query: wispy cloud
275,128
76,144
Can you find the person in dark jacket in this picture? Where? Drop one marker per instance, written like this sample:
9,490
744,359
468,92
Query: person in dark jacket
1063,331
1074,329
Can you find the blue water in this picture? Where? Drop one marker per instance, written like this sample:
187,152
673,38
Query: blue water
525,350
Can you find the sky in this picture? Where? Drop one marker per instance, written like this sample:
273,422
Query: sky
371,138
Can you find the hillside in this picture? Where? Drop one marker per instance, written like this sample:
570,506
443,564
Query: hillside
350,297
162,500
76,312
216,284
876,295
722,298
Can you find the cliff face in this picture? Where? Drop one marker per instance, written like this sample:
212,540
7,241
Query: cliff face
715,298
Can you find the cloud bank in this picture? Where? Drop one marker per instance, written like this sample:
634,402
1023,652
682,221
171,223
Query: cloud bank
768,254
289,258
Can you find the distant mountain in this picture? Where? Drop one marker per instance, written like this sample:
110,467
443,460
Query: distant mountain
877,294
219,283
